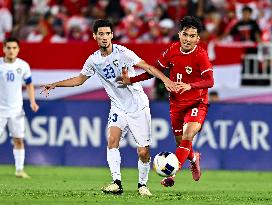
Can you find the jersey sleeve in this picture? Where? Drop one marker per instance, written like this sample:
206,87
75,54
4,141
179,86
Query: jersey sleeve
27,72
129,57
88,68
163,59
204,63
206,82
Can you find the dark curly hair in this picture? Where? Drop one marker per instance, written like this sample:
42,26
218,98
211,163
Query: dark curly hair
190,22
102,23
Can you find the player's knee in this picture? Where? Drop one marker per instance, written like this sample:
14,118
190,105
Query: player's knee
18,143
178,140
113,142
188,135
144,155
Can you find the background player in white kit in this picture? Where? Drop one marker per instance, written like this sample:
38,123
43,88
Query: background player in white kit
14,72
129,104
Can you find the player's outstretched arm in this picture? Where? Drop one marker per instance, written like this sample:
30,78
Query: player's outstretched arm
169,85
71,82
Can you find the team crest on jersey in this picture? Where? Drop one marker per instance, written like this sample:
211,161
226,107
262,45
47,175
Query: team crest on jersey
188,69
116,63
19,70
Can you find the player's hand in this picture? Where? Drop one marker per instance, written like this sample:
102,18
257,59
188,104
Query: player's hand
34,106
170,85
124,79
47,88
182,87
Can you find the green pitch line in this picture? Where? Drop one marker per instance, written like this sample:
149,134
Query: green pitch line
77,185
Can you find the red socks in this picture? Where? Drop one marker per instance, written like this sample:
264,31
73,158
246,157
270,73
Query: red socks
184,151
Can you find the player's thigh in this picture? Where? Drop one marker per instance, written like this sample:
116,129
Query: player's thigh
3,123
177,122
190,129
194,119
140,126
196,113
16,126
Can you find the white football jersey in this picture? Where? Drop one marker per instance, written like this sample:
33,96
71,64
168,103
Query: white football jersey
129,98
12,76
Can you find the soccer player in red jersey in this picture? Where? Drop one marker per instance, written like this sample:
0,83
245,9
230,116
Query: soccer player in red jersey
192,71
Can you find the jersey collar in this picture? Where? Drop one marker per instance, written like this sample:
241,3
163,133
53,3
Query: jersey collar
191,51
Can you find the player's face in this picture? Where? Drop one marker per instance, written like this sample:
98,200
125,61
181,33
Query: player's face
188,38
103,37
11,50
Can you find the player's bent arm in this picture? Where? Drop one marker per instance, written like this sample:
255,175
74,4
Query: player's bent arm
151,70
206,82
145,75
141,77
170,86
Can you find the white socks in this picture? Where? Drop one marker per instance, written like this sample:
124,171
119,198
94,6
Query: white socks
114,161
19,157
143,171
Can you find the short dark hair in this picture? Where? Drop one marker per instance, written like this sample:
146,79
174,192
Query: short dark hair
190,22
11,39
247,8
213,93
102,23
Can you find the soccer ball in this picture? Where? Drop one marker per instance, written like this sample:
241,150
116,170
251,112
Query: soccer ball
166,164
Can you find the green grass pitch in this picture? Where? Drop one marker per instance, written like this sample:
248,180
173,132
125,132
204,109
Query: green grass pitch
81,185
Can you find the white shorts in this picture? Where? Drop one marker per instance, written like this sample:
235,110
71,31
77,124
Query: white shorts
138,123
16,125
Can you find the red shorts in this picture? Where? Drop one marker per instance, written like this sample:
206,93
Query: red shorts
182,114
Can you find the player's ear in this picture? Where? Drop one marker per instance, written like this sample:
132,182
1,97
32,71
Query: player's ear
198,38
94,36
179,33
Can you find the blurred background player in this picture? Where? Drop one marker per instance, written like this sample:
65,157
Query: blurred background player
129,104
214,96
190,68
246,29
13,73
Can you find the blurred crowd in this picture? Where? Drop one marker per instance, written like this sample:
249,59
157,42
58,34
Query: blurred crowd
136,21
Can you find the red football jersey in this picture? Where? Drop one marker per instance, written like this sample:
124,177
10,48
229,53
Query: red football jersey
187,68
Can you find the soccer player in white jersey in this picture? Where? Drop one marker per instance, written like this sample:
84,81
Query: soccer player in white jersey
14,72
129,104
